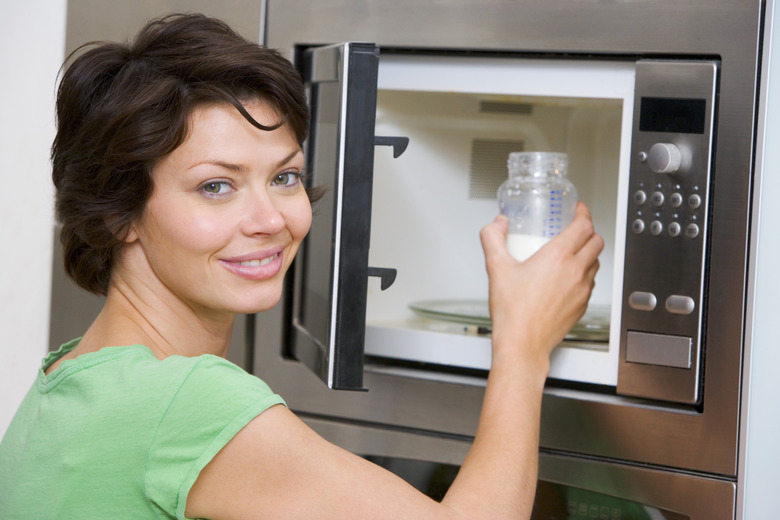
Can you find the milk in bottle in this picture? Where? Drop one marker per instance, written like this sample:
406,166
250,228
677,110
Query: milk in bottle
537,199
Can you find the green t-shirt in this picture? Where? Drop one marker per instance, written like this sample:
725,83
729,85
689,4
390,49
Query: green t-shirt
119,434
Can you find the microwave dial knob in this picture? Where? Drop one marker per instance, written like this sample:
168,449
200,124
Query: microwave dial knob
664,158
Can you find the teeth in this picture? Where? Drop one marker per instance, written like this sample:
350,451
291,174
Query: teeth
258,263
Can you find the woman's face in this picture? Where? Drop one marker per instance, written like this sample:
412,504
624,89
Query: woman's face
227,213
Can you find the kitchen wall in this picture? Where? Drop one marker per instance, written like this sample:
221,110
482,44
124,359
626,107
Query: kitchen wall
89,20
35,36
32,40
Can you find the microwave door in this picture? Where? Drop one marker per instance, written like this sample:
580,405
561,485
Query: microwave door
328,314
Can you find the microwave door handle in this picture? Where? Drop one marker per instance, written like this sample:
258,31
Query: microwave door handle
386,276
398,144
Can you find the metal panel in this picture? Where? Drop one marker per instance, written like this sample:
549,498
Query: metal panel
666,232
90,20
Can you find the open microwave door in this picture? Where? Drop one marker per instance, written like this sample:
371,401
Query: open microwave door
328,314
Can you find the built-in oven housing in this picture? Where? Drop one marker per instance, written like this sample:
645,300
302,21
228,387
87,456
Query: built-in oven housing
629,424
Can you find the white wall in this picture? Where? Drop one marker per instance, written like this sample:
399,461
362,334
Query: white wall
32,40
760,431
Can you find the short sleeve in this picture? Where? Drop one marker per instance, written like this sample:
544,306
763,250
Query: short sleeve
215,401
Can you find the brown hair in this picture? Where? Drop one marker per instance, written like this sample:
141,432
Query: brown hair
122,107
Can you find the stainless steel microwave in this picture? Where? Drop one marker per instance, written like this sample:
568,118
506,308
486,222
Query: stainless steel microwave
638,134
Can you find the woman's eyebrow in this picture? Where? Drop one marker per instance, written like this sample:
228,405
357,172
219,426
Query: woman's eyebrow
289,158
225,165
241,168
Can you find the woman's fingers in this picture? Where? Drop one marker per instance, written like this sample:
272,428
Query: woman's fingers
574,236
578,239
579,232
592,248
493,238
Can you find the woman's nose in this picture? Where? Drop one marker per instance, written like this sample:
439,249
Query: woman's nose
261,215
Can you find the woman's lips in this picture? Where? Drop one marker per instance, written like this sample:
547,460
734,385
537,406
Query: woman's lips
255,267
258,263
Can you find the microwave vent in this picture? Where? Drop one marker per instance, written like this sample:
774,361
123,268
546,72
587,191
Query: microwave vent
504,107
488,166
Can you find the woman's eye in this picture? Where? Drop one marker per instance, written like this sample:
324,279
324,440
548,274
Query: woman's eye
216,188
287,179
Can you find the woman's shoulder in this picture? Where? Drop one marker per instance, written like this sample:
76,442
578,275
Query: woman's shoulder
214,372
138,372
206,379
213,400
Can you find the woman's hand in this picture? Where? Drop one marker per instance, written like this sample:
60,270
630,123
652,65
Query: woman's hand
534,304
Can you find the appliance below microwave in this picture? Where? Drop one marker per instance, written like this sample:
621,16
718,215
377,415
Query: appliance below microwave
569,487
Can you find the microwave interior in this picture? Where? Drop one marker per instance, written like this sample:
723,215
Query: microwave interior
463,116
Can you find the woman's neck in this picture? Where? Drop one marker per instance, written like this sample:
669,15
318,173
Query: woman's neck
166,325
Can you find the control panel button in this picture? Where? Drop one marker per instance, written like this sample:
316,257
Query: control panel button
692,230
694,201
677,304
640,197
664,158
657,198
656,228
638,226
674,229
676,200
659,349
642,301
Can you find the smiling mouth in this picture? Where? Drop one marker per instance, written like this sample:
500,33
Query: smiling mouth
256,268
258,263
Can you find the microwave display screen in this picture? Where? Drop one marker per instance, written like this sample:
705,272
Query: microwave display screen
683,116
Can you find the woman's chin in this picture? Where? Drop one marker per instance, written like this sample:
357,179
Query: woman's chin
253,307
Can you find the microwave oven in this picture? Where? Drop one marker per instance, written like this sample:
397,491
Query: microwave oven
638,136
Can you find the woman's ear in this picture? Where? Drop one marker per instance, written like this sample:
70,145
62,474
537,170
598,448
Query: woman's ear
131,235
126,234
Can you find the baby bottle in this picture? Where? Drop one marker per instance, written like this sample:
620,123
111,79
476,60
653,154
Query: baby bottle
537,199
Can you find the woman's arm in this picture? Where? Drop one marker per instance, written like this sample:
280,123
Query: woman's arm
276,467
533,306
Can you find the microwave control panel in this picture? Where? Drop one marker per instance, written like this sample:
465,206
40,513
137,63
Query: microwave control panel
661,344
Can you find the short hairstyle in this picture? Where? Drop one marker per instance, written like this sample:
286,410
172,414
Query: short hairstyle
122,107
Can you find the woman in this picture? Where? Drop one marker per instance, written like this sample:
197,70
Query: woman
178,170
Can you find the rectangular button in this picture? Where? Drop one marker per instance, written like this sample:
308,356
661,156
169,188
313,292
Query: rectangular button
658,349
